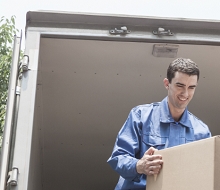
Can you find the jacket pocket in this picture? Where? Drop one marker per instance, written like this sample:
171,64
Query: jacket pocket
154,141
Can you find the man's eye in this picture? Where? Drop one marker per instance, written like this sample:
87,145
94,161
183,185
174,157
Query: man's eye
193,87
179,86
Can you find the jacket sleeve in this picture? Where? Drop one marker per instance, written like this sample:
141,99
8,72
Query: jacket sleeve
126,150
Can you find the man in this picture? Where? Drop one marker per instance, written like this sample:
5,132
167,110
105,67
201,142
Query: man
157,126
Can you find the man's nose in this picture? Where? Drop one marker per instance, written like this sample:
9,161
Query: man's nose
185,92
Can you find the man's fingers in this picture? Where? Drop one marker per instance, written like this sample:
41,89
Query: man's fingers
157,167
157,163
154,157
154,170
149,164
150,151
150,173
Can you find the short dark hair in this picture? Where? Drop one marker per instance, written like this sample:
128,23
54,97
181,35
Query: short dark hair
182,65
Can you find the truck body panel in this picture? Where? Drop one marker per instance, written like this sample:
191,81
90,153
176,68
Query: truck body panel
83,81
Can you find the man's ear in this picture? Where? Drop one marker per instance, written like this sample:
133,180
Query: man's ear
166,83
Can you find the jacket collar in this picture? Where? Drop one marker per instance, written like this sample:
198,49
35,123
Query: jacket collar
166,117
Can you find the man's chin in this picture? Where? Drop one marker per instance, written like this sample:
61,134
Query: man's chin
182,106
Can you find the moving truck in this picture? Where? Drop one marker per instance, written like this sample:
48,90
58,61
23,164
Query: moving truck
80,76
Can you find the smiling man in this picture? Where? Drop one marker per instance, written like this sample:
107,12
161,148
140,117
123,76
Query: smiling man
181,82
157,126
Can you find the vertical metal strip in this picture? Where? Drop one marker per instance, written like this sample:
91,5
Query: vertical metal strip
9,113
24,123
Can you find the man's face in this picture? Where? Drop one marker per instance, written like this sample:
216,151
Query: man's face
180,90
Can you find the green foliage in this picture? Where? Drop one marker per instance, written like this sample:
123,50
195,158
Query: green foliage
7,32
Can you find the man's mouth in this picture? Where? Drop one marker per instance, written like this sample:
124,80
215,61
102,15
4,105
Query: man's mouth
182,99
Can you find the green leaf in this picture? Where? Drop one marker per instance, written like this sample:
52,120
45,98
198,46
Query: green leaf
7,32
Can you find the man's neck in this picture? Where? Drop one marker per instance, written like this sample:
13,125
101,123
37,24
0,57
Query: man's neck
176,113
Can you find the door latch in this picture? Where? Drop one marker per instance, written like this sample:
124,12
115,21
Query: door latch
162,32
122,31
13,177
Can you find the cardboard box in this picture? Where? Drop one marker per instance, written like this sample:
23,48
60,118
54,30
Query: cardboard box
192,166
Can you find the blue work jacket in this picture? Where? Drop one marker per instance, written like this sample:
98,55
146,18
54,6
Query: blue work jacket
150,125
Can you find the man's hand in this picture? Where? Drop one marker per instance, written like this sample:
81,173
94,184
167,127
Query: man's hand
149,164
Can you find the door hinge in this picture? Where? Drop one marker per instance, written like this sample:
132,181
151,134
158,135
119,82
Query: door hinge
25,63
18,90
122,31
13,177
